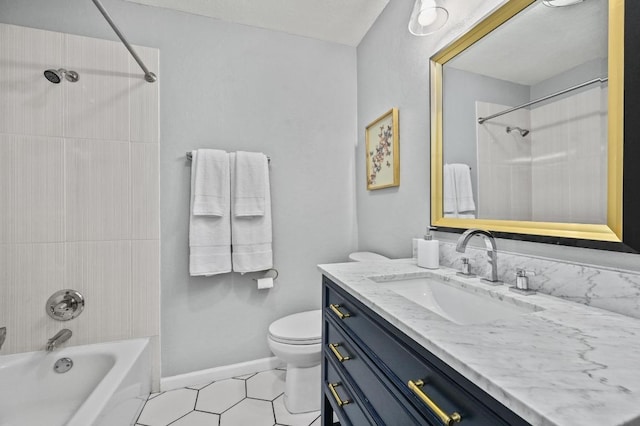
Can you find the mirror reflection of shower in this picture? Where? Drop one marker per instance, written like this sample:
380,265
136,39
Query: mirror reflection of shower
55,76
523,132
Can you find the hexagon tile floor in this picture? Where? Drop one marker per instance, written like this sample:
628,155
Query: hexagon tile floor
252,400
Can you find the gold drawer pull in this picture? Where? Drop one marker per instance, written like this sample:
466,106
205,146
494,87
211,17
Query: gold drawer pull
334,349
336,310
332,388
448,420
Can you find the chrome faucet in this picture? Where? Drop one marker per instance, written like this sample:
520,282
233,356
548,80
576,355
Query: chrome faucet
3,335
60,337
492,251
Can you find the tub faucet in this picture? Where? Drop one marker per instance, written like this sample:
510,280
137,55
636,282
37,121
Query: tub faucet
492,251
60,337
3,335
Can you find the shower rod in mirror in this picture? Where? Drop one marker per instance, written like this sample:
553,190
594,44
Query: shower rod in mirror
481,120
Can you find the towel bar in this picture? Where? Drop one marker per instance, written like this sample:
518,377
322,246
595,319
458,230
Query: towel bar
190,157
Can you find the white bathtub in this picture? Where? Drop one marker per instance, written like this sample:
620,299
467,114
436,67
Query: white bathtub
107,386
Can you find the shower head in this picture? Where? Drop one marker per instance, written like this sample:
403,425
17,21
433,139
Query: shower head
523,132
55,76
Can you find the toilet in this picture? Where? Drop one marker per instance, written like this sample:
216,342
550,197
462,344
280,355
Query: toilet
296,340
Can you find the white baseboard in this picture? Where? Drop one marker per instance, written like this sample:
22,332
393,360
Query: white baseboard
218,373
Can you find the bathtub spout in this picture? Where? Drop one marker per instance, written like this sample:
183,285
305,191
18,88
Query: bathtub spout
60,337
3,335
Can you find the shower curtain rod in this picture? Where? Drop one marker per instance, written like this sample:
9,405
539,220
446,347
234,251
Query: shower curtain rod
481,120
148,75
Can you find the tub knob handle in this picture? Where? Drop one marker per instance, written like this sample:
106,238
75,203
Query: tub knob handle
65,305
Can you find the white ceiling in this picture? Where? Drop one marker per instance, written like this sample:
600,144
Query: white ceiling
339,21
539,43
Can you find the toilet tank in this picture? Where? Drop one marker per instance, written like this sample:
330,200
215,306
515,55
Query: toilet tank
366,256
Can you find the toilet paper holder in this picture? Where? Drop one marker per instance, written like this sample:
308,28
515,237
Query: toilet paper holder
267,271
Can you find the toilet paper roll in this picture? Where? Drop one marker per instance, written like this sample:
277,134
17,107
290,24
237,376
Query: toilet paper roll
265,283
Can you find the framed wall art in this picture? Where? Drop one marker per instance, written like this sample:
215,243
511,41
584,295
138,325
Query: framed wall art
383,151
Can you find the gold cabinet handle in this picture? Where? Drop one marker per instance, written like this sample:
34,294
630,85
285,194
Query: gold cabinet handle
446,419
332,388
339,356
336,310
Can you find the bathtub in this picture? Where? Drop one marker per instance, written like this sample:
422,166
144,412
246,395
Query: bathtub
107,385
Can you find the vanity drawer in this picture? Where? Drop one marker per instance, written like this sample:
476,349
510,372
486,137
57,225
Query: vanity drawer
342,398
389,405
403,360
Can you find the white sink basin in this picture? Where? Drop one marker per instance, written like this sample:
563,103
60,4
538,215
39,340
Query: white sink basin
459,303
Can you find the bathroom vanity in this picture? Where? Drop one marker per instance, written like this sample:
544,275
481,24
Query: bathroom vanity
405,346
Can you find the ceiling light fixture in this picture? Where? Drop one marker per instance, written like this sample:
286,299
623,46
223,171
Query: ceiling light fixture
560,3
427,17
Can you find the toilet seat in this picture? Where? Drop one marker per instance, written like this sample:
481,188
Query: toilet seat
304,328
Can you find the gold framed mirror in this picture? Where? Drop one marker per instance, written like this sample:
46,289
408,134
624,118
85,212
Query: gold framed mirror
547,87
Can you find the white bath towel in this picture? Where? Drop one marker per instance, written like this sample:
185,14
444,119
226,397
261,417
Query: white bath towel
448,190
464,190
209,236
251,235
211,194
457,197
249,189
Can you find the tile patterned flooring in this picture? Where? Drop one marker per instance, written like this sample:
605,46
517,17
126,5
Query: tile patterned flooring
252,400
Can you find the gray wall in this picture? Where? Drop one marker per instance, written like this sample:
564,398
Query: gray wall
235,87
576,75
393,70
463,89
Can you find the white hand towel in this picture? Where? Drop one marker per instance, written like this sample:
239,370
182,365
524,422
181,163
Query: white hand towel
249,193
464,190
211,196
251,235
448,191
209,236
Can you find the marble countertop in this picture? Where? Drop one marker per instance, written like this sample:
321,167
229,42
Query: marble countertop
567,364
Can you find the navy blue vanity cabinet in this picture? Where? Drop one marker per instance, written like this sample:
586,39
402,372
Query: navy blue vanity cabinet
373,374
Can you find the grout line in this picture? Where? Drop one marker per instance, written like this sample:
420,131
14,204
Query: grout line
181,417
205,386
279,395
221,413
207,412
141,411
273,409
261,399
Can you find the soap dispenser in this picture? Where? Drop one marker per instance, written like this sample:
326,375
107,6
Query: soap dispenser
428,251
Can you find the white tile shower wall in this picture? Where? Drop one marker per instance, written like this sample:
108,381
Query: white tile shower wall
29,104
504,164
606,288
79,188
569,159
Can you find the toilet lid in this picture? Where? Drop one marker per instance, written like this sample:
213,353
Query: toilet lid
302,328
